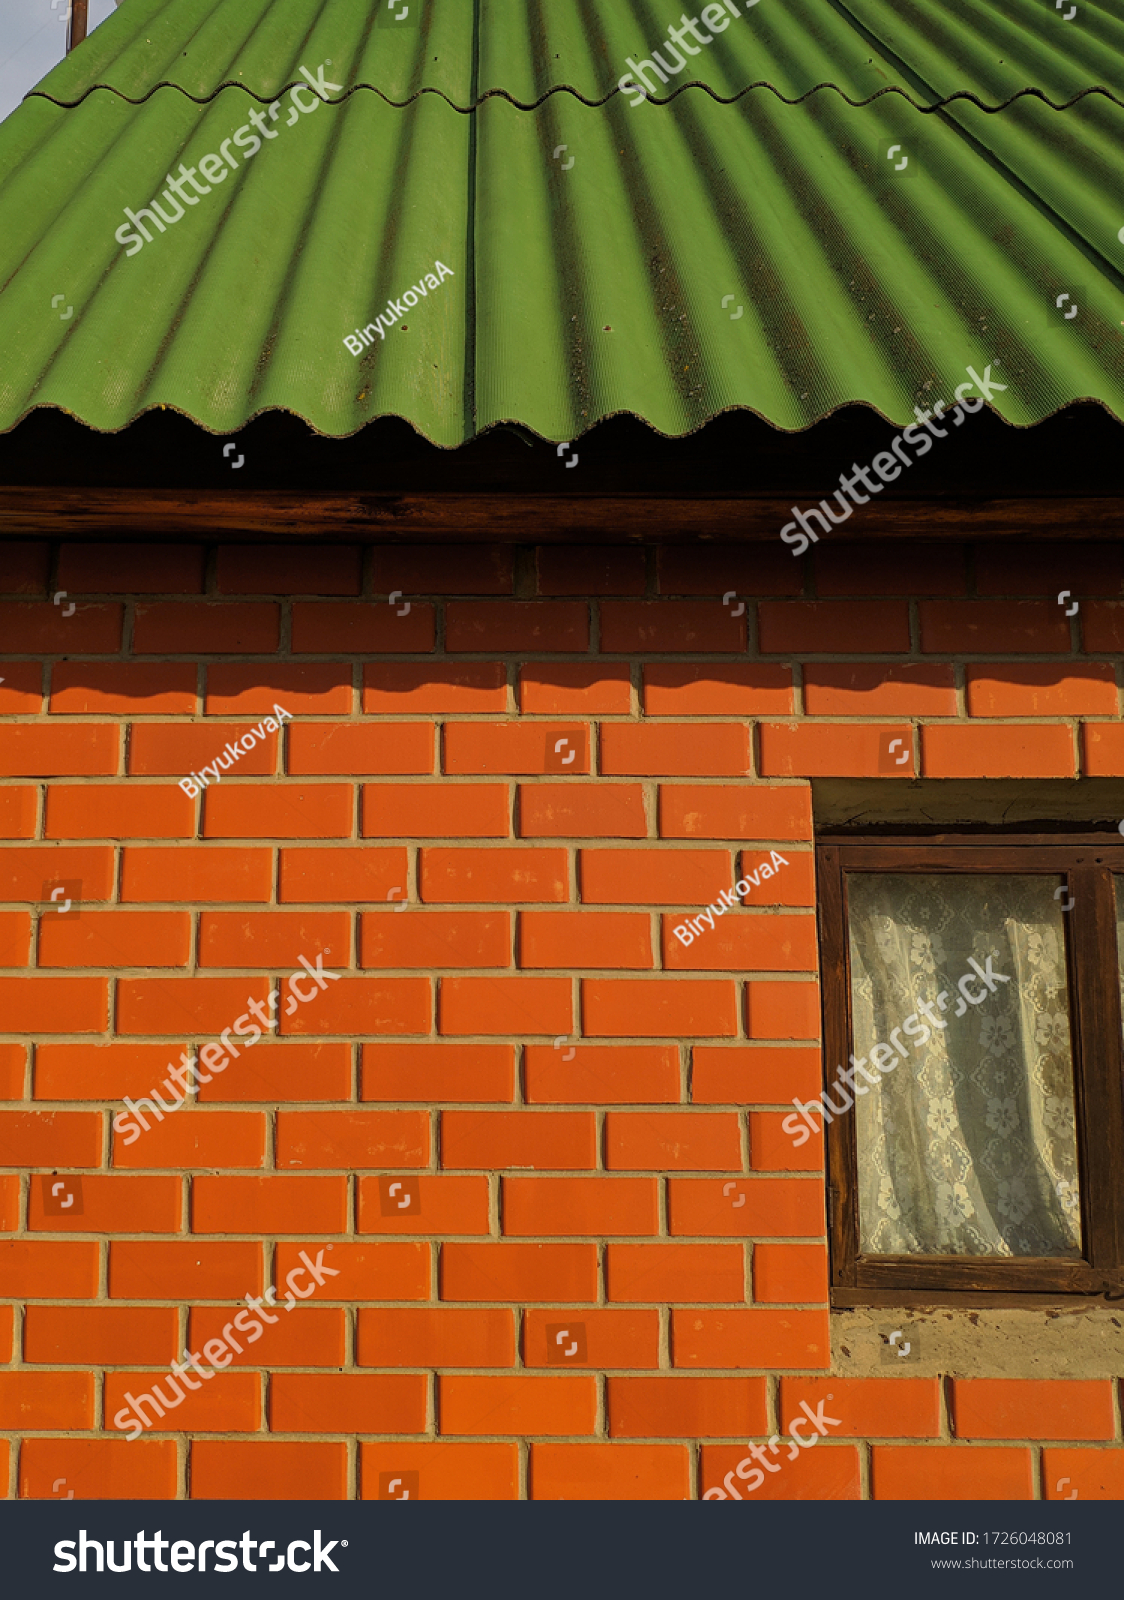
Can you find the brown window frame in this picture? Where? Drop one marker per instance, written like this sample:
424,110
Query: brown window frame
1086,863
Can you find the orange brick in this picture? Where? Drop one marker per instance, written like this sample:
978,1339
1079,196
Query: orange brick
884,566
867,1408
315,1338
351,1139
575,688
638,626
279,811
338,1402
561,1404
272,938
671,1008
357,629
442,569
187,874
1102,625
15,938
672,1407
581,810
98,1469
444,1471
517,625
437,1072
830,1473
111,1205
99,1071
7,1320
492,876
994,627
835,750
24,566
195,1139
1025,1408
123,688
35,627
1091,1474
366,1271
435,939
193,627
21,688
589,569
877,689
194,1005
782,1010
1042,689
673,1141
109,568
184,1269
232,1406
718,689
1102,749
753,1074
504,1005
435,810
741,943
60,1401
677,749
252,689
49,1138
9,1203
654,876
501,1139
735,811
949,1472
1045,566
675,1272
569,939
116,938
347,873
446,1206
627,1207
609,1472
289,569
597,1074
774,1208
559,1273
69,749
272,1204
25,870
620,1336
1024,750
791,880
364,1006
279,1072
448,1337
788,1274
100,1336
13,1072
278,1470
46,1269
457,687
318,748
750,1338
515,747
17,811
826,626
771,1149
713,569
177,749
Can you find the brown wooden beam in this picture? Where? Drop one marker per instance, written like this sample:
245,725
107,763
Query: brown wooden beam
537,519
77,29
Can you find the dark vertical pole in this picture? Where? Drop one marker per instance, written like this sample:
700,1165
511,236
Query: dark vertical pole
77,30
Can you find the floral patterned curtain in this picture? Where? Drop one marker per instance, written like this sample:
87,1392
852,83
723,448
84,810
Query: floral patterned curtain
969,1147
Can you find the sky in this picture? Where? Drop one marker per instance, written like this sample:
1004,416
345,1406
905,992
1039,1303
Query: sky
32,41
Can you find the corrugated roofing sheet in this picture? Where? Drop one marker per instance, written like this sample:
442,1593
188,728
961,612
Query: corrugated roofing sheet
570,261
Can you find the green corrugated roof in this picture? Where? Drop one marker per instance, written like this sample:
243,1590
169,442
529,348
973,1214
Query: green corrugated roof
724,249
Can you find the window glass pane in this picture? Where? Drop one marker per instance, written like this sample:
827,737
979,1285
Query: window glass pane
969,1147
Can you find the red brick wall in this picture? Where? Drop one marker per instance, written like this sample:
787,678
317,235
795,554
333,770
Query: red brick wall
594,1186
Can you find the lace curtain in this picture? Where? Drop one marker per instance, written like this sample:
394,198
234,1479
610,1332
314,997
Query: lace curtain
969,1147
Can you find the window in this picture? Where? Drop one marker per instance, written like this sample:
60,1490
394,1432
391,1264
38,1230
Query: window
973,1065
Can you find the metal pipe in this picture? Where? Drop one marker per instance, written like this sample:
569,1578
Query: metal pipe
77,30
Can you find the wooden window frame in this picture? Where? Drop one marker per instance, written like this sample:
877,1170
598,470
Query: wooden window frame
1086,863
